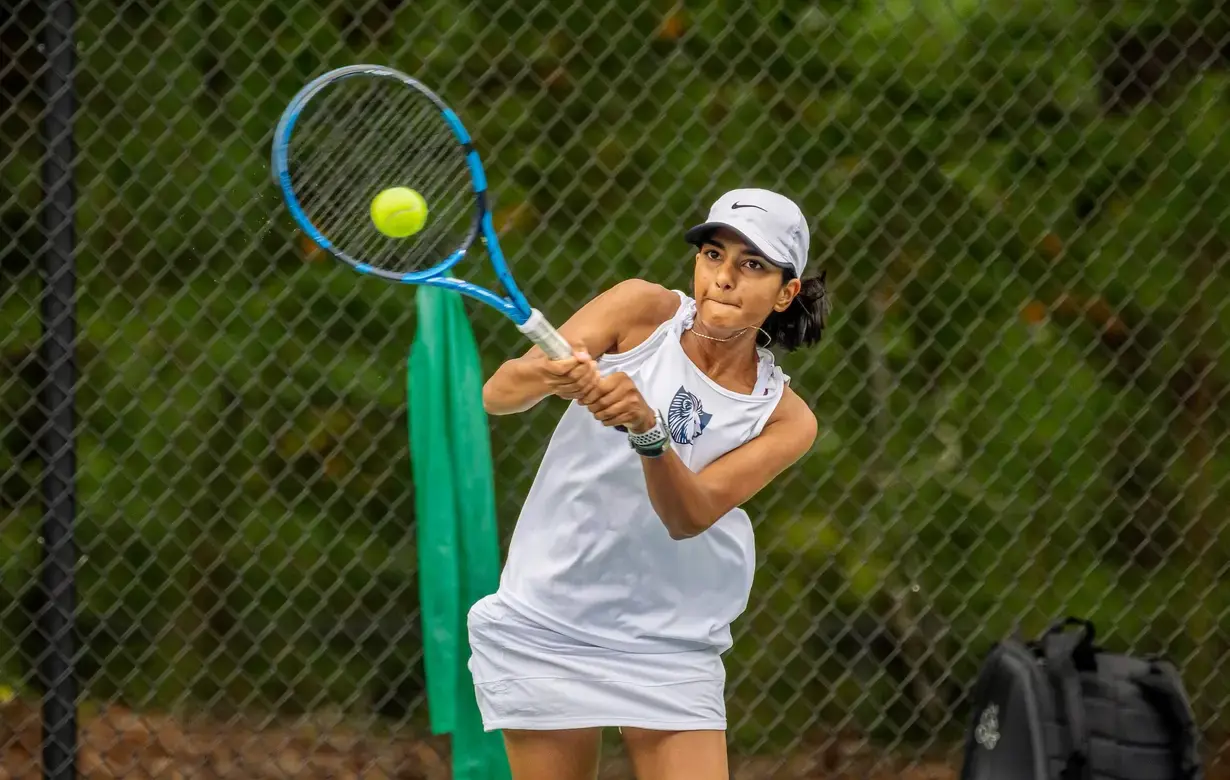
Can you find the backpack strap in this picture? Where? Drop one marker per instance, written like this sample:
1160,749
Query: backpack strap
1059,649
1082,650
1163,688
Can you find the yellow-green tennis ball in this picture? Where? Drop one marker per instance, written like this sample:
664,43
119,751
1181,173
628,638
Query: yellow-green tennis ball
399,212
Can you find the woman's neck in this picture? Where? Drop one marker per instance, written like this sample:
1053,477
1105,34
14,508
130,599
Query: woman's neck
731,361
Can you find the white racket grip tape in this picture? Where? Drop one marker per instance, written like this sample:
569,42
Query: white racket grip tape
546,337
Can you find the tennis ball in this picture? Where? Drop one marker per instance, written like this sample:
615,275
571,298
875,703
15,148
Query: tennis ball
399,212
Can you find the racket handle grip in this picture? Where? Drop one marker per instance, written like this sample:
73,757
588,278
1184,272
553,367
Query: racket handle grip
546,337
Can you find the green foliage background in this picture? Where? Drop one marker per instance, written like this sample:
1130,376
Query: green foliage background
1022,207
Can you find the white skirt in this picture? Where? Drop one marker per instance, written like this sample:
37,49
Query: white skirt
533,678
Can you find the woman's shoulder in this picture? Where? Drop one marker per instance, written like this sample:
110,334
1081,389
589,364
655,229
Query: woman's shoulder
643,307
793,414
646,300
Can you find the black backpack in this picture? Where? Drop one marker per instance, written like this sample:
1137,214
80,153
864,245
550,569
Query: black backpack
1062,708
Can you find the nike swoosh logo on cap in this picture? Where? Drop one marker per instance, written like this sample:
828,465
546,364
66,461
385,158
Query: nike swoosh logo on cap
738,205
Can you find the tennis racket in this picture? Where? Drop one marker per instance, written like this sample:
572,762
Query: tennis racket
356,131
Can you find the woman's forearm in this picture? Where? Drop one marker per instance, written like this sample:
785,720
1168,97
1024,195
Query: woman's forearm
677,495
514,387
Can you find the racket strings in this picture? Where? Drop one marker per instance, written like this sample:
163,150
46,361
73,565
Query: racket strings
443,176
448,186
363,135
331,154
358,108
370,146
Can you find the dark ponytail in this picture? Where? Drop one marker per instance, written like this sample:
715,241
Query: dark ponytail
803,322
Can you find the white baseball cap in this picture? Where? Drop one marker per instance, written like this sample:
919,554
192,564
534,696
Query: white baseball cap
771,224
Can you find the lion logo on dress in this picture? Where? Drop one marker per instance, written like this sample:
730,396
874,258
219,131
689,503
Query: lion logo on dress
686,418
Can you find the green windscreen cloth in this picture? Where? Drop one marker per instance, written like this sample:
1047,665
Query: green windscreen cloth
458,544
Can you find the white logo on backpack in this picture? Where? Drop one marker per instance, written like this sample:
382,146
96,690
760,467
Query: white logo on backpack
987,731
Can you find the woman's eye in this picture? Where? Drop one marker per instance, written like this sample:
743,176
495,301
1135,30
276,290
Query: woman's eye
712,254
755,265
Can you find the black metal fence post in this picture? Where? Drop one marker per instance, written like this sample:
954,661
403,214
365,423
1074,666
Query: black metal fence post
57,443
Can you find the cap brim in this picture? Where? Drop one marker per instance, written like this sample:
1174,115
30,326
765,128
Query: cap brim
697,235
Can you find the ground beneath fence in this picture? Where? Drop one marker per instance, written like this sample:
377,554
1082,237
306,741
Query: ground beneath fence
118,743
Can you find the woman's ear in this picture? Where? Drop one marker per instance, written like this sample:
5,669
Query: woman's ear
785,296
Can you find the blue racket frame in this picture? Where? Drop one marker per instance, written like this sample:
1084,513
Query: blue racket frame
513,305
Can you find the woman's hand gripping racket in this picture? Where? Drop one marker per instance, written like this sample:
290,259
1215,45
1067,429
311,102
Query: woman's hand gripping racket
358,131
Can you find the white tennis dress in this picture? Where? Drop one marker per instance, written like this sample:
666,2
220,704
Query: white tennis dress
601,619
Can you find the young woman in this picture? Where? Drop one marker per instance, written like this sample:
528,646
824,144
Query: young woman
631,556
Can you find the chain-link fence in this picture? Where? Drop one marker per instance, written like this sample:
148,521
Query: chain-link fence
1023,210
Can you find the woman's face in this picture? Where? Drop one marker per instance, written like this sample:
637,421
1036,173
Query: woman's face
735,286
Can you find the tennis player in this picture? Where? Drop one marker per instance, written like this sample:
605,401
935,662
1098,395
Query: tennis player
631,556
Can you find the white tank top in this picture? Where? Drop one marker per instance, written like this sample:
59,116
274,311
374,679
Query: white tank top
589,557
